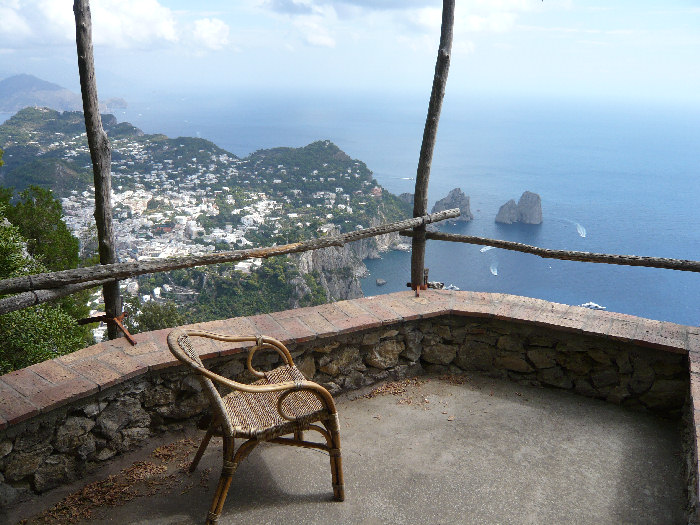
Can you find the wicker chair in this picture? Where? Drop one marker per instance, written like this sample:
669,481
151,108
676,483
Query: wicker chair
281,402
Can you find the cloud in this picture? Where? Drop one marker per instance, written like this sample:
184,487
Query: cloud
212,33
291,7
12,25
314,31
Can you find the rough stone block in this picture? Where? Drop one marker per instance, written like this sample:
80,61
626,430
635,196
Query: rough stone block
665,394
326,348
509,343
622,360
666,370
642,377
371,338
554,377
119,414
541,357
575,362
72,433
307,366
513,362
439,354
385,354
604,377
617,395
475,355
443,331
386,334
599,356
55,471
24,464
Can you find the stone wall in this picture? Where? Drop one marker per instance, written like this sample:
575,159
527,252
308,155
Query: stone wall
66,417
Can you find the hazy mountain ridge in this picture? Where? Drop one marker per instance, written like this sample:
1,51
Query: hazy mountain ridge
21,91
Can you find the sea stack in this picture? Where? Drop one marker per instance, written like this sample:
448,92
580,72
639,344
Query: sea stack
455,199
528,210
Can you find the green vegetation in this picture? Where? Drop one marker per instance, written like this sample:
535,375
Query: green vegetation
223,293
149,316
34,334
39,218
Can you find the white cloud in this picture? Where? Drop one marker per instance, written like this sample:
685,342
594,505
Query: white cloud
212,33
116,23
12,25
314,30
132,23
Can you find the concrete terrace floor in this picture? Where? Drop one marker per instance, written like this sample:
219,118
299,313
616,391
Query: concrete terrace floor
450,450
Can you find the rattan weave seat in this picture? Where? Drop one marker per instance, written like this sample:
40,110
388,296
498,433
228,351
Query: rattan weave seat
276,408
256,416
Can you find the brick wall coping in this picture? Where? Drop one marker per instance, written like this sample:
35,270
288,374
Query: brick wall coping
45,386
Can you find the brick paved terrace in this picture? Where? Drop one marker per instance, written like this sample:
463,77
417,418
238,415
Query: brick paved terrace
621,393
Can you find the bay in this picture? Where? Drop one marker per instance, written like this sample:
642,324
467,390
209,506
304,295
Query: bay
626,174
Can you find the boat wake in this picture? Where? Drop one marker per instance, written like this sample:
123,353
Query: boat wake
494,268
579,227
486,248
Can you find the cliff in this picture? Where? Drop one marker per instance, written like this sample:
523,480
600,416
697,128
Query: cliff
455,199
528,210
340,269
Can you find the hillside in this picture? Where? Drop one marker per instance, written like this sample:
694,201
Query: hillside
174,196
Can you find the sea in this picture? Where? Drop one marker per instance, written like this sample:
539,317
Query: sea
615,176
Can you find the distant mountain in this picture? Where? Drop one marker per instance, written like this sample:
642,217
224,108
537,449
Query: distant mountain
21,91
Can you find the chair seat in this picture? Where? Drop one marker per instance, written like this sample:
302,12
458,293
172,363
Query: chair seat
255,415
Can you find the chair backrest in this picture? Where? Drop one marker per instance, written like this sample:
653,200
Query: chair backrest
181,347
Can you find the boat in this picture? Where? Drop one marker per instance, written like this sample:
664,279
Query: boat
593,306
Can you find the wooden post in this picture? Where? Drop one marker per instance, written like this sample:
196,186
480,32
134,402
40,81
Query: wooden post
101,156
420,198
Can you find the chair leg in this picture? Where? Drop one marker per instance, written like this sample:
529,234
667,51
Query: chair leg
230,465
202,448
336,459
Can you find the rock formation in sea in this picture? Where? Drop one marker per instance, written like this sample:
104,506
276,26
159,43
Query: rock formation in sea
528,210
455,199
508,213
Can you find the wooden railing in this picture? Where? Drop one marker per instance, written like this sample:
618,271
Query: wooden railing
683,265
39,288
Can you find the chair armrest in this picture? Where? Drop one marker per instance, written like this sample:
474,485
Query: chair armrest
263,342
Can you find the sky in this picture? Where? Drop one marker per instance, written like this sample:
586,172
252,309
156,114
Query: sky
623,49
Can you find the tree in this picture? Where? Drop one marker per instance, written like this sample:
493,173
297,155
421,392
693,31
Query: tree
149,316
34,334
39,218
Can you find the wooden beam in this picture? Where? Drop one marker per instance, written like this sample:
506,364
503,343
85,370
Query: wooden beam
131,269
684,265
27,299
100,154
420,197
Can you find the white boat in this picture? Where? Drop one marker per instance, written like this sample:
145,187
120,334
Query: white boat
593,306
